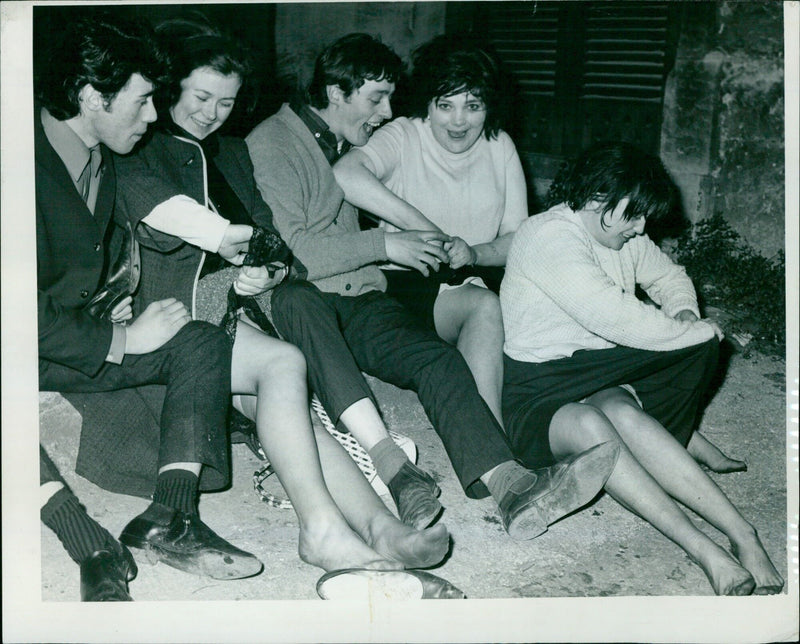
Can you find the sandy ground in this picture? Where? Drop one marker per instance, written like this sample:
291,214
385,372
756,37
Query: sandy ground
600,551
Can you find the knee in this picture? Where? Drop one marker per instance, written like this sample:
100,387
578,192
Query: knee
291,359
588,422
486,306
208,340
291,297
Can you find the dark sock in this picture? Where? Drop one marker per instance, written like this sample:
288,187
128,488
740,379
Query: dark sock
509,476
387,458
177,489
81,535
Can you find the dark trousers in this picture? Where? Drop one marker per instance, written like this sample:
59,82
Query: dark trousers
48,472
670,384
195,368
343,336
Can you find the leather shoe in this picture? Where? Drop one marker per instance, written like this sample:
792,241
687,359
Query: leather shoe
184,542
414,493
559,489
364,584
105,575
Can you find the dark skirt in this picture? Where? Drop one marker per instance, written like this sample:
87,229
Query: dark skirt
418,293
671,386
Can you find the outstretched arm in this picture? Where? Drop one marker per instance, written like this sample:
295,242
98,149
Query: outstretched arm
356,175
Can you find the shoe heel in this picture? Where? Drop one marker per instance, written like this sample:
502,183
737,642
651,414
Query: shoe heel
527,525
146,555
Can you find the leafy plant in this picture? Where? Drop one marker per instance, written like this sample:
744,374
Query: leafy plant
732,276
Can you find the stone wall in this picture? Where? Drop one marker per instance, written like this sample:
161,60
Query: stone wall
723,128
302,30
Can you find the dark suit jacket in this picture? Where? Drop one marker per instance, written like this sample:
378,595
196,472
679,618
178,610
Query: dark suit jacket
120,434
73,252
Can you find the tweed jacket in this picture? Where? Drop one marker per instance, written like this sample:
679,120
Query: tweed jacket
163,167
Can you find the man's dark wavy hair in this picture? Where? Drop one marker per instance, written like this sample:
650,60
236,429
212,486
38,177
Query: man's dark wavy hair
100,50
608,172
349,63
192,42
449,65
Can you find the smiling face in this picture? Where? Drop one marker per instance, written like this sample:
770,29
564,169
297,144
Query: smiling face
206,101
354,117
617,230
457,121
122,122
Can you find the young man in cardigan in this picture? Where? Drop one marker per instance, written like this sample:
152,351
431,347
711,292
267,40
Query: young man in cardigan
345,324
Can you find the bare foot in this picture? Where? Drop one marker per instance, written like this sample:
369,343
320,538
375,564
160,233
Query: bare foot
335,546
414,548
727,577
750,552
712,457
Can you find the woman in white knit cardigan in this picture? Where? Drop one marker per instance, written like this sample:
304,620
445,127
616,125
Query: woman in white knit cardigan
586,361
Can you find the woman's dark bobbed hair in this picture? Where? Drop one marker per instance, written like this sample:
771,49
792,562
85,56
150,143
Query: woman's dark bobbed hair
450,65
192,42
608,172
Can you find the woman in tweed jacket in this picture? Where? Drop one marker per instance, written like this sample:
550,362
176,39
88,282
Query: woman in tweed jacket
192,200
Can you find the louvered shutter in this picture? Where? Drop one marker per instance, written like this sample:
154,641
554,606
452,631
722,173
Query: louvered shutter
585,71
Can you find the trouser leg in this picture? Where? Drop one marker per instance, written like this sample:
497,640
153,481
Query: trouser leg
48,472
389,344
195,367
308,318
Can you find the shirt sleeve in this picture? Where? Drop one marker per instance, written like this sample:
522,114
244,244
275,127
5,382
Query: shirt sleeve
116,351
183,217
384,150
566,270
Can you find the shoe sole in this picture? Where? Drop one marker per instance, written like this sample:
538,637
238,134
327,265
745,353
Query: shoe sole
585,476
376,585
430,519
210,563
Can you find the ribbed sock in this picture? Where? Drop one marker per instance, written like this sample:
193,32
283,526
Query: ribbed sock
509,476
177,489
387,458
81,535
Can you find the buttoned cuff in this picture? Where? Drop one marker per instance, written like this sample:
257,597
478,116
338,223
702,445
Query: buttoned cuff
116,351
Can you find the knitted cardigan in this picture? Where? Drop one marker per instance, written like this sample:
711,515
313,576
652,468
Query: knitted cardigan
309,209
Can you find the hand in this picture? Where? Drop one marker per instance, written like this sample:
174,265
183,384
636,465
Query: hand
156,326
417,249
122,311
253,280
234,243
460,253
686,316
717,328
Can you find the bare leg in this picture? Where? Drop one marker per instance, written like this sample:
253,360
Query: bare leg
708,454
578,426
368,515
470,318
683,479
365,423
270,379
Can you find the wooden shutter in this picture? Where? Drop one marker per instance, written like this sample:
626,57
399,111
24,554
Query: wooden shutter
585,71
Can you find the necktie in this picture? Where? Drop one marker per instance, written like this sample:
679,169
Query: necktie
90,172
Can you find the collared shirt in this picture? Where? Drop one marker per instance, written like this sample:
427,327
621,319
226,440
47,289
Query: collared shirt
77,158
319,128
83,164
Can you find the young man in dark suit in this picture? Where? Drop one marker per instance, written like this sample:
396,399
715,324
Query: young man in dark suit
95,97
